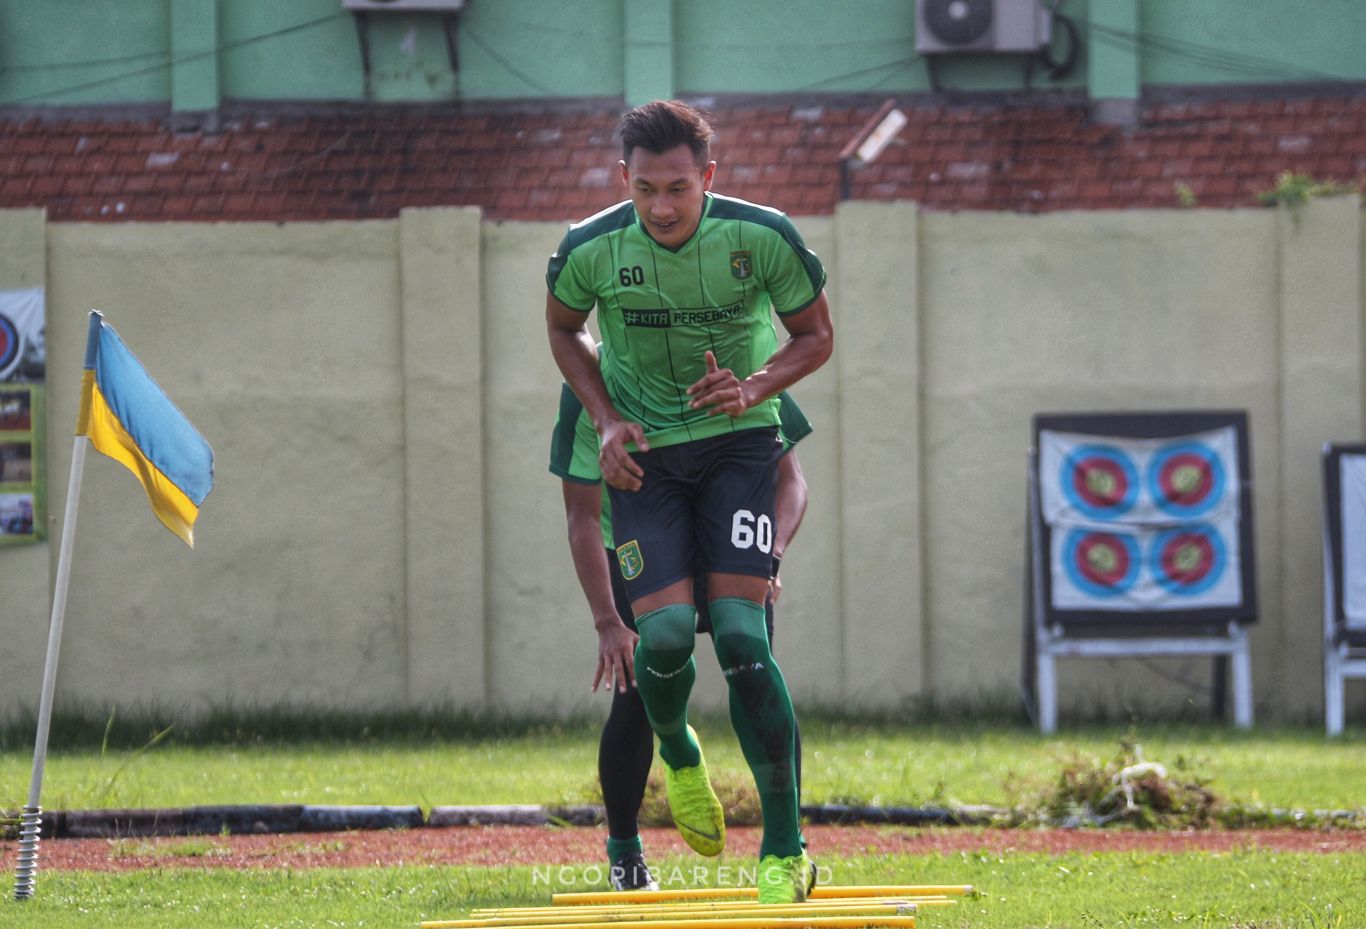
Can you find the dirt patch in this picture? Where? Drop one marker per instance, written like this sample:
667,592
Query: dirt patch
542,845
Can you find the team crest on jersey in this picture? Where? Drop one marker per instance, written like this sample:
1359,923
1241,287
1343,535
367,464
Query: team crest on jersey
630,559
740,266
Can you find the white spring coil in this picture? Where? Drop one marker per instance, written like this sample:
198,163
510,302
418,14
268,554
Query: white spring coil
27,870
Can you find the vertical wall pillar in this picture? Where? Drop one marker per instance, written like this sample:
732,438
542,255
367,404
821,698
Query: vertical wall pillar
1113,75
194,61
440,295
876,308
649,56
1320,401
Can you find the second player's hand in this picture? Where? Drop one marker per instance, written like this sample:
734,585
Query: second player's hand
619,469
616,656
720,390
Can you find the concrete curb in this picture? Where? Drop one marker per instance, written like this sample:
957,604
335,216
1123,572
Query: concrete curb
515,815
283,818
840,815
216,820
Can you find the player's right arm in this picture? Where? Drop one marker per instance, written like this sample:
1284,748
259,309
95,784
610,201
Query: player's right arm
572,346
616,642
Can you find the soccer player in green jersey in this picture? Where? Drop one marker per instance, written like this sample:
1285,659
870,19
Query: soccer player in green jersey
627,744
685,406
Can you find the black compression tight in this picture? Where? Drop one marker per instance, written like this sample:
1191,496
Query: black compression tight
625,752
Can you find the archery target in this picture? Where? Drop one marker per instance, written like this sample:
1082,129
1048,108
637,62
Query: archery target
1103,564
1189,560
11,347
1146,569
1186,479
21,334
1099,481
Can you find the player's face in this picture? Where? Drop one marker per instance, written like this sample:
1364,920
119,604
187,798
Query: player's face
667,190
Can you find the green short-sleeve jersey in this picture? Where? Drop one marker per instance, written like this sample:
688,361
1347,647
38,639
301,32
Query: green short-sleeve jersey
660,309
574,444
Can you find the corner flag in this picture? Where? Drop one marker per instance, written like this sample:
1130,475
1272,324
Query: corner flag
128,417
125,415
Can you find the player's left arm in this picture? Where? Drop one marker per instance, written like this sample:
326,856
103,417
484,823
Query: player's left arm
789,506
810,340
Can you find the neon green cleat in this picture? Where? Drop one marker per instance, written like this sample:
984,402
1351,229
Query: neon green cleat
786,880
696,811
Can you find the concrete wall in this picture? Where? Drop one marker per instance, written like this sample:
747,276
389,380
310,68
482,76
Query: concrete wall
383,530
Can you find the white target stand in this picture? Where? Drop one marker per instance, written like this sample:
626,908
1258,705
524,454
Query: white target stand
1052,644
1055,629
1344,532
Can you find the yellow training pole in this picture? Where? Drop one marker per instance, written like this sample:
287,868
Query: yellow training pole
657,914
704,893
797,922
697,907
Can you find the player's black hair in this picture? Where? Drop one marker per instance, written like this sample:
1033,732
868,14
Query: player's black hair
661,125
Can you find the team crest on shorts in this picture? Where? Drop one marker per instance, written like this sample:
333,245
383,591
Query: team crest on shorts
630,559
740,266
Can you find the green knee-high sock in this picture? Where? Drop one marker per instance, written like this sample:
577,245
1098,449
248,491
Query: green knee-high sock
665,672
761,713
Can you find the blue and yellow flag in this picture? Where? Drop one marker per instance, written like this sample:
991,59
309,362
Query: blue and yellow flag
128,417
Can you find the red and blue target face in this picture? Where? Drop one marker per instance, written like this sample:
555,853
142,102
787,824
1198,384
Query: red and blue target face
1099,481
1186,480
9,345
1103,564
1189,560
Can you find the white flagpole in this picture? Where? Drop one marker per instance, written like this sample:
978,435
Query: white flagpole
26,871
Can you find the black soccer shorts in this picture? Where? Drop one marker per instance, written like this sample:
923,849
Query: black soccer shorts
705,505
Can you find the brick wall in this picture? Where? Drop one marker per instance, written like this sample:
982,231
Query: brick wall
556,162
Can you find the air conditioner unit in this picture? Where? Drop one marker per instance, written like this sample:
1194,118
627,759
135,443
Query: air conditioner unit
403,6
943,26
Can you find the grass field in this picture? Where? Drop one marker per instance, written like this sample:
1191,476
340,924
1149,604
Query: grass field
843,761
1235,891
996,763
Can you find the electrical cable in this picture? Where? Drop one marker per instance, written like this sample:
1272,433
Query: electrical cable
88,63
1058,70
1192,686
507,65
161,66
1237,62
893,65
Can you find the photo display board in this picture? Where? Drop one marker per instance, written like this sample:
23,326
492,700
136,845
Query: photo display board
23,363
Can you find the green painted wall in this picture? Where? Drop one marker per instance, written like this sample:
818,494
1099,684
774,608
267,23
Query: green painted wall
319,61
1324,40
69,52
72,52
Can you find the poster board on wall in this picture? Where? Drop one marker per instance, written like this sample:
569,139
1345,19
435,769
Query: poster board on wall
23,372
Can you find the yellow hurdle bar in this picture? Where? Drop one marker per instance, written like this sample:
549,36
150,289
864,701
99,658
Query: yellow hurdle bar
560,917
796,922
712,893
698,908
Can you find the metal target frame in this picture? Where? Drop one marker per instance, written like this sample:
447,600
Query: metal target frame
1344,645
1220,632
